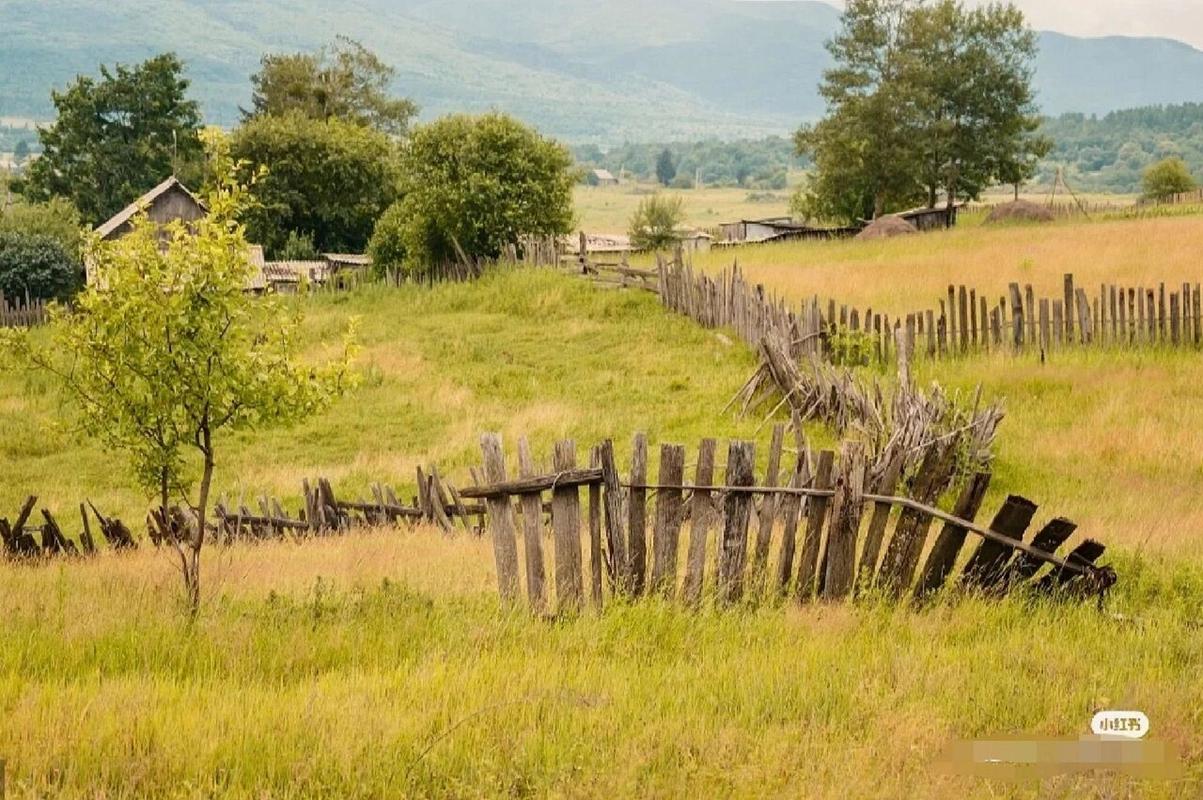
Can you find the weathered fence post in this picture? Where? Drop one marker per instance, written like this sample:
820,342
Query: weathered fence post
566,525
532,530
666,541
637,510
816,514
501,514
733,549
701,512
845,523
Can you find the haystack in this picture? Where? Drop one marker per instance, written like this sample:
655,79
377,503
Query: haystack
887,228
1020,211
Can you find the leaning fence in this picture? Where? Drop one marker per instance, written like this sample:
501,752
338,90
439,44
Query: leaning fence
23,312
821,531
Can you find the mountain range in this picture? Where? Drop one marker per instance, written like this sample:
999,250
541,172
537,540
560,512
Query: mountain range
600,71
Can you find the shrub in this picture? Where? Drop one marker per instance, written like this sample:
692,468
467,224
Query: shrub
1166,178
298,247
655,222
56,218
39,265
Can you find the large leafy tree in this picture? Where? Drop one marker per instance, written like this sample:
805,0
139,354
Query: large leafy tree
167,354
328,180
863,151
924,99
474,185
343,81
117,136
977,120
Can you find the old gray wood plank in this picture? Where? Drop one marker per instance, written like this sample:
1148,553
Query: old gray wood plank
701,520
501,516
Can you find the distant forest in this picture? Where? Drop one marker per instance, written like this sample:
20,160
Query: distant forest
1099,153
1109,153
751,163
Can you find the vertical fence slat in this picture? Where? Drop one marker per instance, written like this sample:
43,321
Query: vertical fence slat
666,539
566,527
733,549
532,532
616,538
816,514
847,508
791,513
701,514
595,535
768,510
501,515
637,511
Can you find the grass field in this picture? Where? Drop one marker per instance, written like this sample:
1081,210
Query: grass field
912,273
608,209
379,665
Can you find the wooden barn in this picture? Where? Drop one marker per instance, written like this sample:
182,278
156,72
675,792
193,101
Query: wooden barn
168,202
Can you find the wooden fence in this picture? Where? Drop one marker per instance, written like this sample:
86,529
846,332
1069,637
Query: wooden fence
820,529
965,322
816,531
22,313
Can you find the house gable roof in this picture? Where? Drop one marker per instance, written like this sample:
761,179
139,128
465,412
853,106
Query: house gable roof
126,214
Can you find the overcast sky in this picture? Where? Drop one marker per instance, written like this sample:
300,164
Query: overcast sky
1175,19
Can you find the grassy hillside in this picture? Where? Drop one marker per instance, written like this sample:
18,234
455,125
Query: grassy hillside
379,665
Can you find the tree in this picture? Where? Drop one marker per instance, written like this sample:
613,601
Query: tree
21,152
863,150
387,245
666,168
971,70
343,81
924,98
37,265
474,185
328,178
55,218
168,354
1167,178
117,137
298,247
655,223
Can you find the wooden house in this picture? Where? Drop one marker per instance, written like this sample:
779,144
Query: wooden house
170,201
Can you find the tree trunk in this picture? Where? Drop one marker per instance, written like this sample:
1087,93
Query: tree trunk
192,568
879,205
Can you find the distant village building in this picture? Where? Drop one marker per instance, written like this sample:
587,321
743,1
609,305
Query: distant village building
602,177
695,241
598,243
169,202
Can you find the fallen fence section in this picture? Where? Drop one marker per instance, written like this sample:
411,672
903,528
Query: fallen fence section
22,540
818,531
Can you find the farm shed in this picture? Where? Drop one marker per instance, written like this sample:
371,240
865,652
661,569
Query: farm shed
285,277
597,243
758,230
601,177
168,202
695,241
932,219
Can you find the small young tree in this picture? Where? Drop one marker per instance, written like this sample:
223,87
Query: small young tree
1167,178
656,221
666,168
168,353
387,245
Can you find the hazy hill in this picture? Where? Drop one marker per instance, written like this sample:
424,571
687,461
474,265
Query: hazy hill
600,70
